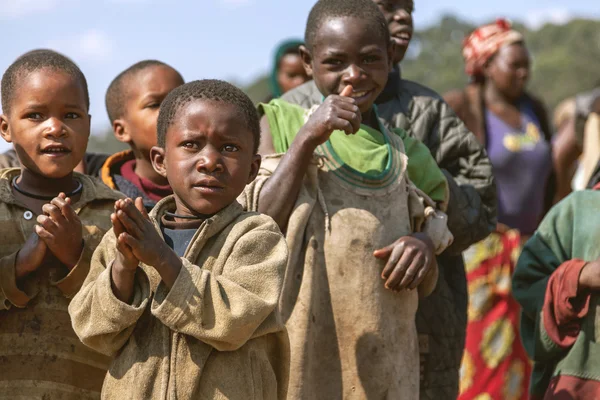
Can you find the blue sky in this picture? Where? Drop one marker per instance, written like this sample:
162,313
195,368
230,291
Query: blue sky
225,39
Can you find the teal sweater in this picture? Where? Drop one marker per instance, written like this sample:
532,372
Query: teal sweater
571,230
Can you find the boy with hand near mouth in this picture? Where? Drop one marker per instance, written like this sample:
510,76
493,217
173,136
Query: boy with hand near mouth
337,182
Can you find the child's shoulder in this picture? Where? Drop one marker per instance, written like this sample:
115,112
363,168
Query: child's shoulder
580,200
280,107
248,221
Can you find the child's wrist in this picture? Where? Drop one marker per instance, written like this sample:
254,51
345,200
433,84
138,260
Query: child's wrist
74,259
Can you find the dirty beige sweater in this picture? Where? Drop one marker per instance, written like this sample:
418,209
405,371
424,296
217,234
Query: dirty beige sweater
350,337
215,335
40,355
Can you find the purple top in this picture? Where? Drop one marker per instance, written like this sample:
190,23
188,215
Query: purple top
522,162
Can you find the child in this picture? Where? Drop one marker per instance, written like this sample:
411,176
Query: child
192,316
132,102
287,71
557,282
51,220
342,194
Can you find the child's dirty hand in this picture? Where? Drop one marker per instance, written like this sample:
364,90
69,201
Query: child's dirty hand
60,228
140,235
338,112
409,259
30,256
125,258
589,277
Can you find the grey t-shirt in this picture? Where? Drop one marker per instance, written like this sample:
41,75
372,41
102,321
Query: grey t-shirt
178,239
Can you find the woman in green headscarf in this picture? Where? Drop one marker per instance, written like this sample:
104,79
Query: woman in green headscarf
288,70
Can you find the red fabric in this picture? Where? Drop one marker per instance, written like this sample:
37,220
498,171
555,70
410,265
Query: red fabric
152,190
564,305
484,42
495,365
564,387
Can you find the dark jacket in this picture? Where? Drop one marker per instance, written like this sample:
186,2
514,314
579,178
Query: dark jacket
442,317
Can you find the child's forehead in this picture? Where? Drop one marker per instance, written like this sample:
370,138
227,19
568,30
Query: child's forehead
49,83
216,115
153,76
347,31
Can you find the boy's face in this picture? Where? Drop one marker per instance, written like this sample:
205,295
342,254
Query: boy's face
48,123
146,90
345,52
291,72
208,157
398,14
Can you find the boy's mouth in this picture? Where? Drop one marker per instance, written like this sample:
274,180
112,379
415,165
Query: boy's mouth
55,150
402,36
209,186
361,95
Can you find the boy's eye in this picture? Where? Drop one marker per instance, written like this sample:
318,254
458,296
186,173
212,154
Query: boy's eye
190,145
34,116
72,115
333,61
370,59
153,105
230,148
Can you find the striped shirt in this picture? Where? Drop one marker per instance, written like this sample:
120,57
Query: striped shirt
40,355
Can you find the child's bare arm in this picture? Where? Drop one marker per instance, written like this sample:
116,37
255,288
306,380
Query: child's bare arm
282,188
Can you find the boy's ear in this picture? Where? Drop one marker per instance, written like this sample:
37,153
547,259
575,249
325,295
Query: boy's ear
89,124
5,128
157,156
306,60
254,168
121,131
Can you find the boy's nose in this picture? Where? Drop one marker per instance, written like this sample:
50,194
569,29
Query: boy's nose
55,128
353,73
210,161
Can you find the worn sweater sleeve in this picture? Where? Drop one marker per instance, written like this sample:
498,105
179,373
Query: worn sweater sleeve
70,284
472,205
565,304
100,320
539,282
10,293
226,310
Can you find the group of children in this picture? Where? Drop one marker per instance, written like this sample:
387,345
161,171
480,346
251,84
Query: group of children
159,280
169,276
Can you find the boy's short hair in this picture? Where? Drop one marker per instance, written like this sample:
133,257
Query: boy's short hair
36,60
366,10
116,95
210,90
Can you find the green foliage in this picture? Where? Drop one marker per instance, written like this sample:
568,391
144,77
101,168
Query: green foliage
105,143
566,58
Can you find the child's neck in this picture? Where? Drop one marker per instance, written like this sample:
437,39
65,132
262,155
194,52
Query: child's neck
369,118
145,170
37,184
